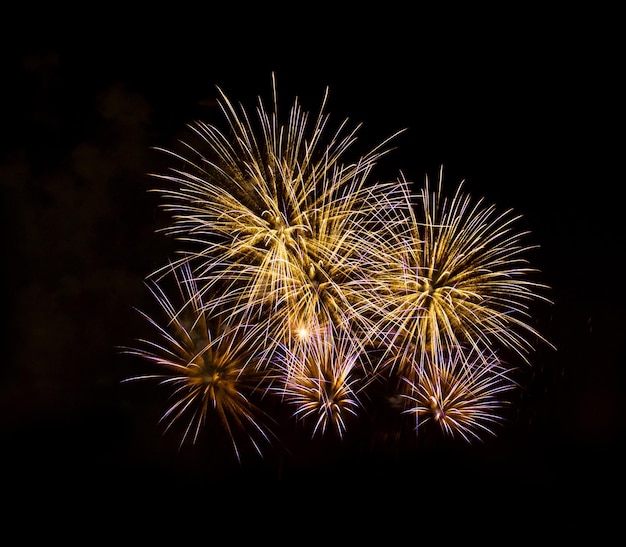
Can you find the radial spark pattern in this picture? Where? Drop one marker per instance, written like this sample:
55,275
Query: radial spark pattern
277,221
465,401
209,367
323,379
459,278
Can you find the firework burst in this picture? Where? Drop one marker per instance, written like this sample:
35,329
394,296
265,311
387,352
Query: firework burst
210,366
458,279
276,221
465,401
323,379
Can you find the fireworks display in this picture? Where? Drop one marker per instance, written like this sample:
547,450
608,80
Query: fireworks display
304,281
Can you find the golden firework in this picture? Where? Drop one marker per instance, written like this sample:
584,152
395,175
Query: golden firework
458,278
323,379
465,401
277,224
209,366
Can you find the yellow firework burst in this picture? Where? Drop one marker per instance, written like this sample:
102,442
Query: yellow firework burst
210,366
459,277
273,215
465,401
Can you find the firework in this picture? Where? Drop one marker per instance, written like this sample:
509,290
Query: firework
323,379
459,278
462,400
209,366
276,222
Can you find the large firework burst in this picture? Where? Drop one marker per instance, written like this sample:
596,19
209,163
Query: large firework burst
459,278
276,222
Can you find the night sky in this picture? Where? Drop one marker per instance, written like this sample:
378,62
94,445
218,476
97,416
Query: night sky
522,106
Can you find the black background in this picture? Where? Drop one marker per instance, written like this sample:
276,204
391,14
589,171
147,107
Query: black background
525,106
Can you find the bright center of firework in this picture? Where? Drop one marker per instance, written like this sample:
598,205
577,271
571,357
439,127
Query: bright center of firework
281,230
203,373
436,408
426,286
302,333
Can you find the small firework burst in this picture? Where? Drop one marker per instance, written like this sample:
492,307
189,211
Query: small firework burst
209,365
465,401
458,278
322,380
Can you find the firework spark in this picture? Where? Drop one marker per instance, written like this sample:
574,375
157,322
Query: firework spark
209,366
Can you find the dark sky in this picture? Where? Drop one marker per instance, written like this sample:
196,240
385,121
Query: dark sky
523,106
